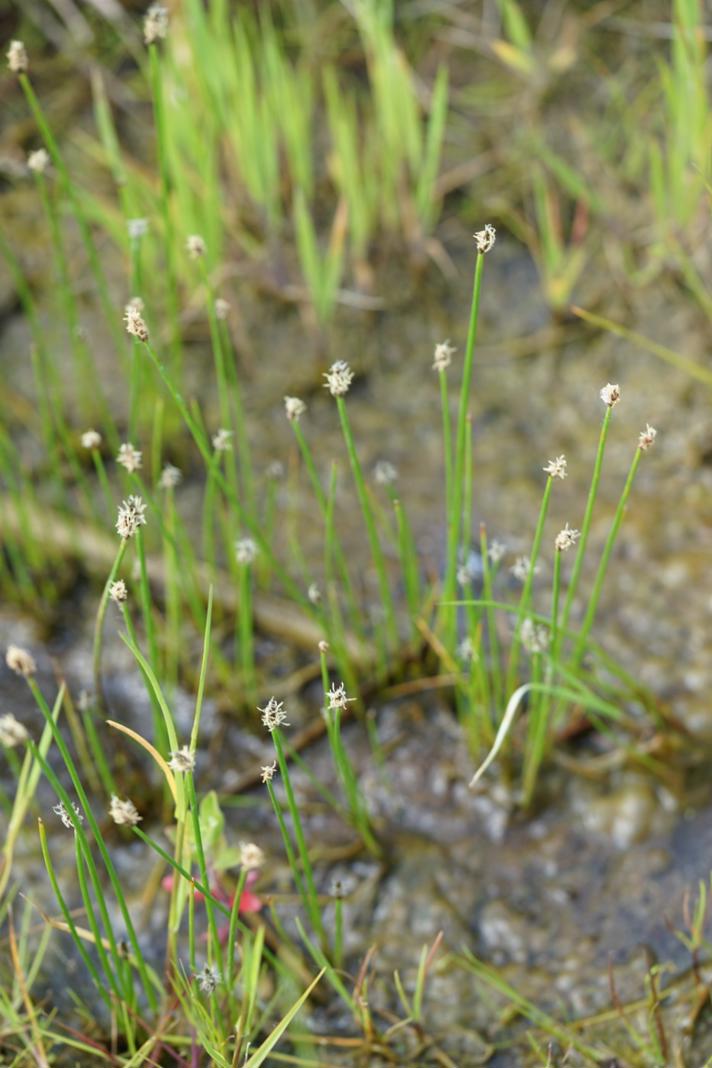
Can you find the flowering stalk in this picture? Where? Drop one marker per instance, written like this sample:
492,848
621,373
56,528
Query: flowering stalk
99,624
156,81
367,512
334,549
495,666
595,596
527,587
52,147
203,868
457,489
245,631
337,701
308,888
586,524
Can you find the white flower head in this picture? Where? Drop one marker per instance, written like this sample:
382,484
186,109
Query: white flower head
246,551
17,59
521,568
295,408
20,661
38,161
137,229
208,978
610,394
444,353
91,439
267,771
61,811
195,246
556,468
155,24
534,637
466,650
496,550
222,440
338,378
337,698
251,856
182,759
647,437
131,516
133,320
124,813
314,593
385,473
129,457
222,308
118,592
273,715
275,471
12,732
485,238
566,538
170,477
466,573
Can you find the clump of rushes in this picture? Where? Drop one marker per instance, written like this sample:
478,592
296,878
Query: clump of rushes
274,717
338,381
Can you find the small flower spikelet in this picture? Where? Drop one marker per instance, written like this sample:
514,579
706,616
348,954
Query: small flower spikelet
137,229
267,771
38,161
466,573
295,408
20,661
535,638
129,457
556,468
384,473
338,378
647,437
60,810
337,698
521,568
12,732
245,551
485,239
170,477
222,308
566,538
251,856
130,517
444,353
610,394
208,978
155,24
118,592
182,759
17,57
273,715
496,551
91,439
195,246
466,650
314,593
133,320
222,441
274,471
124,813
